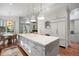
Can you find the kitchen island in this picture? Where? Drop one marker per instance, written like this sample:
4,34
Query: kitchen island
39,45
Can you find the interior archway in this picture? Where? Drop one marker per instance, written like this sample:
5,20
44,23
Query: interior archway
74,22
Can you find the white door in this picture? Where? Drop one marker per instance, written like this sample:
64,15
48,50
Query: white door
61,30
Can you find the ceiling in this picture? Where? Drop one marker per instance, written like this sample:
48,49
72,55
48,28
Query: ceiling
18,9
29,9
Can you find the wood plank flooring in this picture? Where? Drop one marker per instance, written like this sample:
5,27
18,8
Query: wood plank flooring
73,50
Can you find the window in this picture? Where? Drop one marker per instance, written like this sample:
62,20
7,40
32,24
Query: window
1,23
9,25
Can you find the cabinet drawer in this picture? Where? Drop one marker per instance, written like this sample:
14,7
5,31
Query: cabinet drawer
38,50
31,44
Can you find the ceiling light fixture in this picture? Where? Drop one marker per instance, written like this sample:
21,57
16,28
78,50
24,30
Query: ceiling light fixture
27,22
41,15
33,20
41,18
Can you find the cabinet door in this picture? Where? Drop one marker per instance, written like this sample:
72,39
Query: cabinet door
61,30
61,33
54,28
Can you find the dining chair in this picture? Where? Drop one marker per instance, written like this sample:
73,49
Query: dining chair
9,38
14,39
2,42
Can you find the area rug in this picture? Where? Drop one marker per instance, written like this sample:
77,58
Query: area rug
12,51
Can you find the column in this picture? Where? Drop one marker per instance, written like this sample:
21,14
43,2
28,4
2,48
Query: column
67,41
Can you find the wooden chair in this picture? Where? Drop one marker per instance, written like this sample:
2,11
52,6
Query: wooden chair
2,42
9,38
14,39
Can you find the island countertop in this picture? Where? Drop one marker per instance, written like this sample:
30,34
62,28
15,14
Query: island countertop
41,39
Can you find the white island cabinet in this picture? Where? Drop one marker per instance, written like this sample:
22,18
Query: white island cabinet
39,45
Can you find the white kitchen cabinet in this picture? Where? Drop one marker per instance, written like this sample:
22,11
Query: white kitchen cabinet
62,33
58,29
39,45
54,29
61,30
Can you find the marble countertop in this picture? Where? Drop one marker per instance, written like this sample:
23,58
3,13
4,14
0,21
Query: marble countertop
41,39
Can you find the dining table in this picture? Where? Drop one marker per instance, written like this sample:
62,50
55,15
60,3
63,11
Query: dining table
8,34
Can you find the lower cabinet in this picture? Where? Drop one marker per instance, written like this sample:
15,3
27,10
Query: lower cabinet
62,42
35,49
31,48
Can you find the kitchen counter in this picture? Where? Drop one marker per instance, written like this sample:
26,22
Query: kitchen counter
35,44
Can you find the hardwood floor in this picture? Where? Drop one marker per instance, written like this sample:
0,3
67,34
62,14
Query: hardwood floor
73,50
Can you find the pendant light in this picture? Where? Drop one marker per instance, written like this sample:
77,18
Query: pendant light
41,16
33,19
27,21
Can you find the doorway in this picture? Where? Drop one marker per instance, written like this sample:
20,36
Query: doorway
74,25
74,28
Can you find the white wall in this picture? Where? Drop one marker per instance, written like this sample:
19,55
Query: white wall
72,25
77,26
